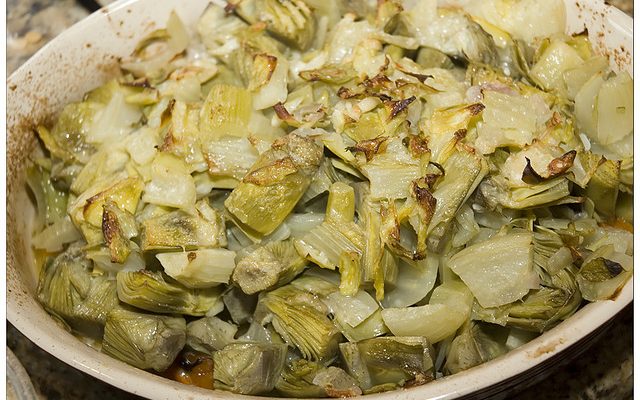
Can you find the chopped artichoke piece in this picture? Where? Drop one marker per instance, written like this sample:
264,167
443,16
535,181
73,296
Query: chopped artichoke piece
474,346
50,201
55,236
302,378
557,58
240,305
86,211
269,266
68,138
603,188
210,334
499,270
291,21
301,319
350,273
400,361
275,183
200,268
118,227
431,58
171,183
143,340
230,156
179,229
542,308
464,170
601,278
226,111
149,291
248,368
67,289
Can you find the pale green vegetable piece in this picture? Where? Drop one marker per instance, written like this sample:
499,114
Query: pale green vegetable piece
230,156
557,58
275,183
615,109
350,273
601,278
415,280
585,106
448,308
291,21
271,265
200,268
398,361
179,229
352,310
302,378
150,291
499,270
67,289
143,340
210,334
574,78
226,111
464,170
87,209
55,236
603,188
301,319
475,345
171,183
118,227
248,368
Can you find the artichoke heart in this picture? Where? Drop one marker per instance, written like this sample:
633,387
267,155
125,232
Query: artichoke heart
149,291
398,361
67,288
179,229
275,183
248,368
301,319
143,340
274,264
302,378
291,21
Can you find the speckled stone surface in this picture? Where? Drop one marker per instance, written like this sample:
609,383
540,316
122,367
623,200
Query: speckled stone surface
604,371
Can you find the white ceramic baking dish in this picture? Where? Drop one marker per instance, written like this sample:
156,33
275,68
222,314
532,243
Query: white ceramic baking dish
85,56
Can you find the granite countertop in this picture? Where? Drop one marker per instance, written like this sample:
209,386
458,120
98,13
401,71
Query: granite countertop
604,371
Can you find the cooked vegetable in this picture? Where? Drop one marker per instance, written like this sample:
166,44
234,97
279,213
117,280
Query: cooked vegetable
210,334
302,321
325,189
302,378
67,289
395,361
274,264
498,271
275,183
179,229
143,340
248,368
150,291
